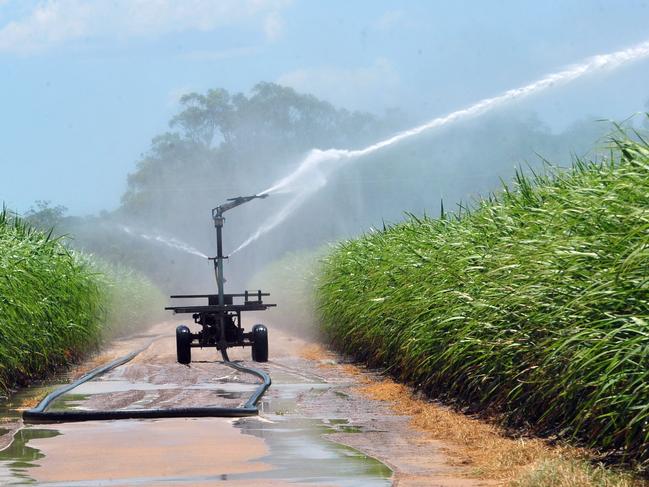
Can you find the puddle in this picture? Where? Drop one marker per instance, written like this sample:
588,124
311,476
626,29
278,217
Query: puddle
285,375
279,448
70,401
294,452
300,453
104,390
129,452
18,458
236,389
343,426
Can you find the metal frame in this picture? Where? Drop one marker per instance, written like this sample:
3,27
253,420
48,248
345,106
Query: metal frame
221,308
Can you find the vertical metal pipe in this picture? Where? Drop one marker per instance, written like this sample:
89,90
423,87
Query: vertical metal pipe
218,223
219,264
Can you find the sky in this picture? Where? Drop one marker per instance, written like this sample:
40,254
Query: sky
86,85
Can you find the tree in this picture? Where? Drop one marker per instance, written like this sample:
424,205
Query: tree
220,141
205,116
44,216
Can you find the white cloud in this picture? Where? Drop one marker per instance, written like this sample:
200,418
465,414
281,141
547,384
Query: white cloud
54,22
273,26
389,19
364,88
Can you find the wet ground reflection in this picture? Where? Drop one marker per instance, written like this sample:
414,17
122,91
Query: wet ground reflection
277,448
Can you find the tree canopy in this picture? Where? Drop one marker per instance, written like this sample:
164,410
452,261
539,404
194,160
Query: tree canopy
218,137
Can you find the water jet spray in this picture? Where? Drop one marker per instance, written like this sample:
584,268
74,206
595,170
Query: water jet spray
312,173
171,242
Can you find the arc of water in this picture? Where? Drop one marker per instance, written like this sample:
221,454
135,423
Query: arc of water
311,174
174,243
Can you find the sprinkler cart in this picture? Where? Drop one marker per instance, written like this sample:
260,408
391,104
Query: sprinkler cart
220,318
221,322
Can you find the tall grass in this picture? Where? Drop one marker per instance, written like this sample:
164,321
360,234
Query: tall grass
129,299
54,303
534,304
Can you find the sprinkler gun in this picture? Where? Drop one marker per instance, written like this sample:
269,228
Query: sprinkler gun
233,203
219,220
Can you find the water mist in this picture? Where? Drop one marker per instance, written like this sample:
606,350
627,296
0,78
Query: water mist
313,172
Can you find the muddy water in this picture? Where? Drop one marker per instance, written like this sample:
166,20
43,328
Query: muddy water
286,444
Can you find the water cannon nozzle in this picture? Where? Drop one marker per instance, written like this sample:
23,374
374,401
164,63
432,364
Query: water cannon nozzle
243,199
217,213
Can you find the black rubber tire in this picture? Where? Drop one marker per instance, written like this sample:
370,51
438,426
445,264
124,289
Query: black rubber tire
183,345
260,343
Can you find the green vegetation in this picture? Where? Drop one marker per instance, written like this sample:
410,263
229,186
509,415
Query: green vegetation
56,304
534,304
130,300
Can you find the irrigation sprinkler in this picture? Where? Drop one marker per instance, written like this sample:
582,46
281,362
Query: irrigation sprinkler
221,326
220,319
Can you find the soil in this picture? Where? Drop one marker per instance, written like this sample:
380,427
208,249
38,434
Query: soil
316,426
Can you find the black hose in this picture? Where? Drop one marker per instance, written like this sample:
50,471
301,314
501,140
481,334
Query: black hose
39,414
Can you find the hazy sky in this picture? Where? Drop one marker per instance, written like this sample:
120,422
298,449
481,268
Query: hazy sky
87,84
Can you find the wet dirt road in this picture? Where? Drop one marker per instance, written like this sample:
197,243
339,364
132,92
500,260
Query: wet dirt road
314,427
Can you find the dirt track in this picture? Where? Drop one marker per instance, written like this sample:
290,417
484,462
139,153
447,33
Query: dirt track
311,411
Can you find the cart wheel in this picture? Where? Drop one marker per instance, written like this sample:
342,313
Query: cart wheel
260,343
183,344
